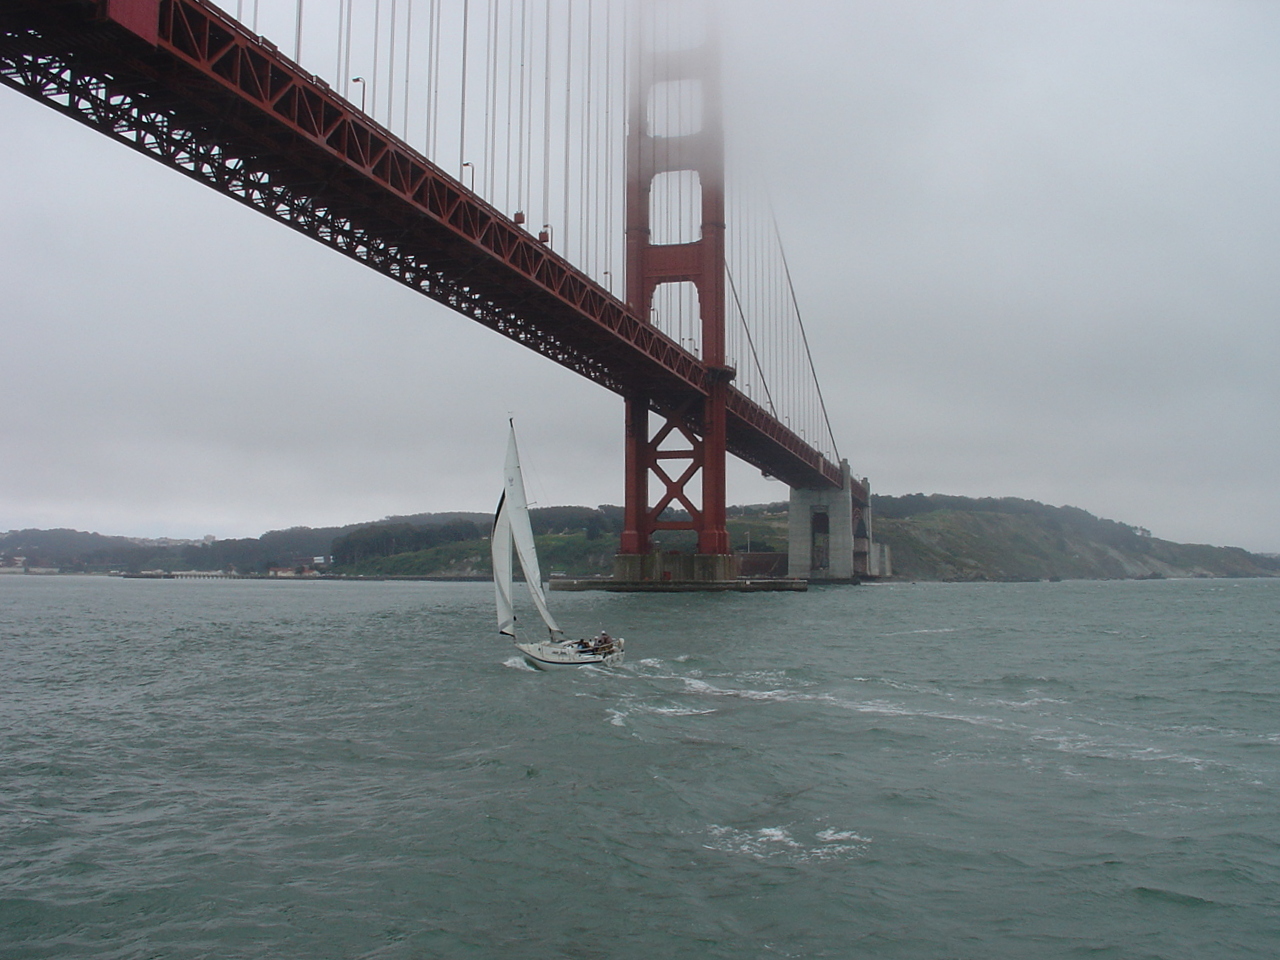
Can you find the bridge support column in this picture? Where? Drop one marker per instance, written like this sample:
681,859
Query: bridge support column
680,460
713,535
821,532
637,529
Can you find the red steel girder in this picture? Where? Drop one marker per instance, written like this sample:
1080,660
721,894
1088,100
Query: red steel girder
223,106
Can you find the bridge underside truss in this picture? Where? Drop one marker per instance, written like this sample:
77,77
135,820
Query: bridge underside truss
224,107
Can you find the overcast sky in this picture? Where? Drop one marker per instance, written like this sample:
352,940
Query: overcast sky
1037,246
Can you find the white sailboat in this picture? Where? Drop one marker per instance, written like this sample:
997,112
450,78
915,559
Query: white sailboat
513,533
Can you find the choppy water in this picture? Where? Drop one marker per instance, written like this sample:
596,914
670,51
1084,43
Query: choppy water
328,770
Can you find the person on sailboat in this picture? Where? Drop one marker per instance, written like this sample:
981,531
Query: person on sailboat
591,644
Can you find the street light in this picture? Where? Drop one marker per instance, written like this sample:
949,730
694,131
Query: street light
466,164
363,89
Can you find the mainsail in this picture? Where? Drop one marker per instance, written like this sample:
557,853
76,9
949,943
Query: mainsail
511,529
500,544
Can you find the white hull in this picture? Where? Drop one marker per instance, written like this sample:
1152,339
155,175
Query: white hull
567,654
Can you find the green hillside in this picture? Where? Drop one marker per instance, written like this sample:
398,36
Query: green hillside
956,538
931,537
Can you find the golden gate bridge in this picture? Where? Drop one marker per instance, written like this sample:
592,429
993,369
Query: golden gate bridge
552,169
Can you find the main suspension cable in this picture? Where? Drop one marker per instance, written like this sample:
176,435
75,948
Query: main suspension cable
786,267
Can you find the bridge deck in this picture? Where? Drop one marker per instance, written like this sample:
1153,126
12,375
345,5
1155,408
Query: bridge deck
209,98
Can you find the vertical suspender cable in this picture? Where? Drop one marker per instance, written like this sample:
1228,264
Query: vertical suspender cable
508,169
433,86
297,35
588,144
784,314
628,24
764,322
520,116
735,352
377,37
462,121
591,142
603,145
490,79
737,263
608,144
408,64
568,120
583,133
609,141
391,66
437,87
546,113
531,109
346,57
337,63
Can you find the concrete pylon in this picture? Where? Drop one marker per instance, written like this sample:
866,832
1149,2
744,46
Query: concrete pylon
821,533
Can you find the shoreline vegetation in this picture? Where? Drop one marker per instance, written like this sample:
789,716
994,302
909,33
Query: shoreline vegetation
932,537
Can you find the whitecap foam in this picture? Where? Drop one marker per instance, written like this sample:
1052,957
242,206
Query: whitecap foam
1023,704
774,843
887,708
671,711
519,663
694,685
765,676
776,835
879,707
1098,749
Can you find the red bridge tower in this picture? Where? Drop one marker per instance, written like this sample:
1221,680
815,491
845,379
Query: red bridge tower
676,129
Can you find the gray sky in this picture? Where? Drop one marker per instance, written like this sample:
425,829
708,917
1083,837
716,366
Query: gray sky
1035,245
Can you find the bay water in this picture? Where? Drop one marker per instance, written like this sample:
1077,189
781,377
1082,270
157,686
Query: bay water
246,769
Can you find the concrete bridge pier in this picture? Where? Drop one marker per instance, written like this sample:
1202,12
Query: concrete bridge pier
687,570
829,536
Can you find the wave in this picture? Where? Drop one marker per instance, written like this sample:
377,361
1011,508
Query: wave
1172,896
1016,715
912,633
772,843
1098,749
878,707
1024,704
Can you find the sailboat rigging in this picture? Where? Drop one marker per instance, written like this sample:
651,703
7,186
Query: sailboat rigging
513,534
